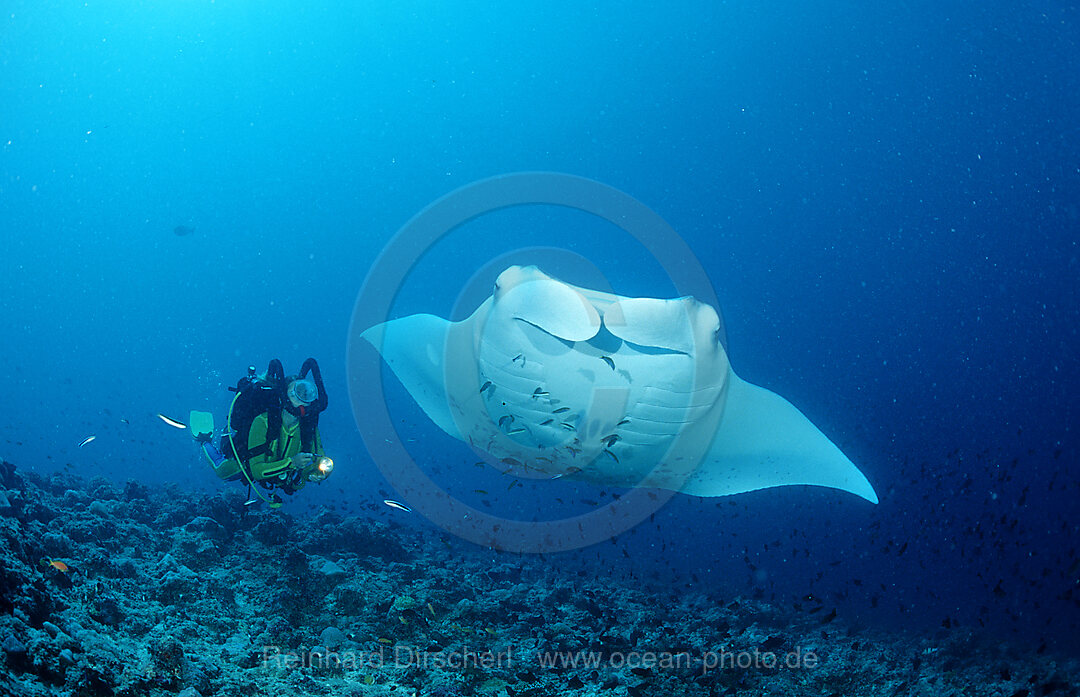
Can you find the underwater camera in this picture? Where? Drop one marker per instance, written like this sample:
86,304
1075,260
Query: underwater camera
320,469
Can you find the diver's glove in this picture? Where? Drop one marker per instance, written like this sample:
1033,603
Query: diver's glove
301,461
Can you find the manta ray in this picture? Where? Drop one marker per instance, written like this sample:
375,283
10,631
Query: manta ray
562,381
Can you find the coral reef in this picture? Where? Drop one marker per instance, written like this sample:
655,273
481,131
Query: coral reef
124,590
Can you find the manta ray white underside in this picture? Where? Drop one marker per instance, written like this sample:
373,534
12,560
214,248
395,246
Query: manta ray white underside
578,383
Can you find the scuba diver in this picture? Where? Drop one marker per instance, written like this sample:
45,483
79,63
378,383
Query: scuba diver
272,440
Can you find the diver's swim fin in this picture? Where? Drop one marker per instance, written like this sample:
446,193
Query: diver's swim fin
201,424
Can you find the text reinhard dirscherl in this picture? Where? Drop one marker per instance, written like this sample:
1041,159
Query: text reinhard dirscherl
274,657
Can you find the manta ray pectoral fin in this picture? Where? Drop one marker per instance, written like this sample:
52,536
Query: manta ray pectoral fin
415,349
764,441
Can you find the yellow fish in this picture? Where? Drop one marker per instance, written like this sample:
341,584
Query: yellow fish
56,564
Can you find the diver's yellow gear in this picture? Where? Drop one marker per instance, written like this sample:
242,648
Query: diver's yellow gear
275,464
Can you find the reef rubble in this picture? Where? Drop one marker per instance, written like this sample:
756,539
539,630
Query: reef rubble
110,589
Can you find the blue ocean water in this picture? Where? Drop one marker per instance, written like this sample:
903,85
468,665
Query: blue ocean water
886,199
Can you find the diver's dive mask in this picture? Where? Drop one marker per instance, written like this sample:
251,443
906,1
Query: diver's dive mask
302,392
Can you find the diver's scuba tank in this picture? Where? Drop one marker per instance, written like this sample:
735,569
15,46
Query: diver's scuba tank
255,394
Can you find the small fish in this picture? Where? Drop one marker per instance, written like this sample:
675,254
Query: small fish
515,431
519,357
506,419
539,392
480,491
612,455
56,564
172,422
485,386
88,439
561,410
125,421
568,426
398,505
545,423
431,609
611,440
369,679
513,484
490,631
607,359
622,423
478,464
384,640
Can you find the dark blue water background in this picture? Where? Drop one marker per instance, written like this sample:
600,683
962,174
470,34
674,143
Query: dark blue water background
886,197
